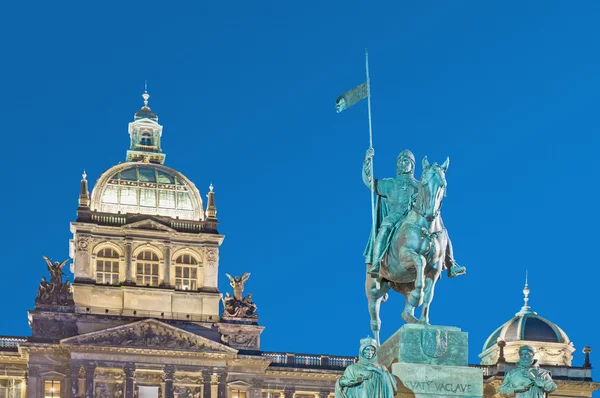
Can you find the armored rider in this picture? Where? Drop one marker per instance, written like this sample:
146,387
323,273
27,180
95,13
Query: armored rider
394,200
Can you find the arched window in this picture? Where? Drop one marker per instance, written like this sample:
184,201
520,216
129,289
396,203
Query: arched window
107,266
186,272
147,269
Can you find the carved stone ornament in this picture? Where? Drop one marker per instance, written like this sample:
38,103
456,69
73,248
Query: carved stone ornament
240,340
83,242
150,333
50,328
212,254
108,390
187,392
187,379
149,377
108,375
434,342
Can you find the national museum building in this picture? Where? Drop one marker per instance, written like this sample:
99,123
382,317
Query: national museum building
144,316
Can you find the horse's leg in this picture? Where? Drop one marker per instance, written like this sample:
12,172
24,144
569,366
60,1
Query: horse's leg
375,292
428,297
414,298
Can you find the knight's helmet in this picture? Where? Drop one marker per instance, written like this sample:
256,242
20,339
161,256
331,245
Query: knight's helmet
406,154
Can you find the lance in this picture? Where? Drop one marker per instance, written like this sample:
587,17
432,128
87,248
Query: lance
371,148
345,101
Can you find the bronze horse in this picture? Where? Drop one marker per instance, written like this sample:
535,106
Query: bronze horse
417,252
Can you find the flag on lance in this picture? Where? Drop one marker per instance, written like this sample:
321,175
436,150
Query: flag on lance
351,97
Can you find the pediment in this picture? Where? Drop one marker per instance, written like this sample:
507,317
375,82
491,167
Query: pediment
148,224
239,384
149,334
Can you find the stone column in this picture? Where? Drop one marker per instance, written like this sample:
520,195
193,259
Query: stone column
222,385
167,273
206,381
289,391
34,385
81,382
129,271
169,373
90,369
74,381
256,390
129,370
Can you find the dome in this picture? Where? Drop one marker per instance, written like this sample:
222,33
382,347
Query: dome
145,113
147,188
551,343
527,326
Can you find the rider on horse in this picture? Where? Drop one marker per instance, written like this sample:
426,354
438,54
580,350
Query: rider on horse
395,197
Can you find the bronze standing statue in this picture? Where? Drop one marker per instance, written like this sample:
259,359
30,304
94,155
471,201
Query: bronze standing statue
366,378
411,246
527,380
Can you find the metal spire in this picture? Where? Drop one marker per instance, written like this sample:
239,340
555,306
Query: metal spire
526,308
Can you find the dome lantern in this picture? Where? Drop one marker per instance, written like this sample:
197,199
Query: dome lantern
145,134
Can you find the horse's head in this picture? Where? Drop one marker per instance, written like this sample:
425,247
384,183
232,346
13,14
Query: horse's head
432,189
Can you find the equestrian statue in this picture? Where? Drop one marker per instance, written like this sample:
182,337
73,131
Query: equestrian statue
409,245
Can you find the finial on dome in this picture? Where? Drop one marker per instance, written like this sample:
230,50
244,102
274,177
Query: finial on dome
211,187
145,96
526,291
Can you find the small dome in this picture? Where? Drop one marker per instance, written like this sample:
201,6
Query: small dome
147,188
145,113
551,343
527,326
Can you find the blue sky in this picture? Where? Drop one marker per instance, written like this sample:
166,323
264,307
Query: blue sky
246,91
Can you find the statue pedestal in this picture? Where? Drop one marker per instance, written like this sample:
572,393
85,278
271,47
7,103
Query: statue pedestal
431,361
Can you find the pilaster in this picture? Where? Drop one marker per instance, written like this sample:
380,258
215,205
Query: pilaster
129,370
90,370
129,272
207,382
169,373
289,392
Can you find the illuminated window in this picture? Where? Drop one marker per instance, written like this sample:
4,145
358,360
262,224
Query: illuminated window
107,266
147,269
238,394
186,272
51,389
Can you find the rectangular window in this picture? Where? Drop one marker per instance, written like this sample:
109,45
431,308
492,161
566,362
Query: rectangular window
129,195
186,278
166,199
107,272
110,194
238,394
184,202
147,197
52,389
147,274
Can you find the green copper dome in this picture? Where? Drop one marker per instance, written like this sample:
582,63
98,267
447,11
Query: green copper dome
145,113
